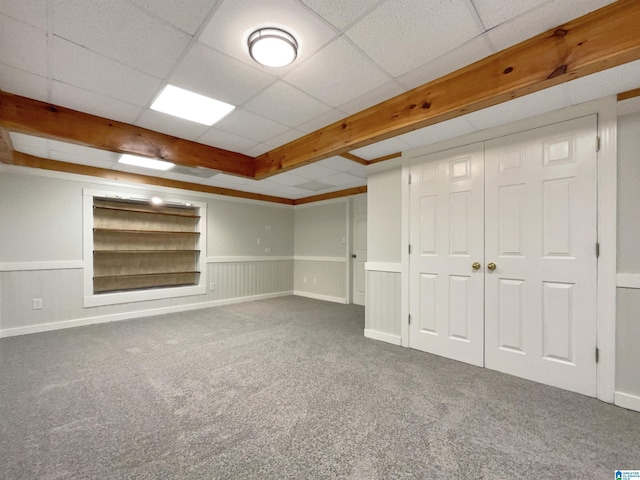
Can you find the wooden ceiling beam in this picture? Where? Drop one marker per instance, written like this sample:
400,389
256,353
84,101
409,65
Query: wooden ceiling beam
328,196
603,39
33,117
6,147
354,158
629,94
25,160
386,157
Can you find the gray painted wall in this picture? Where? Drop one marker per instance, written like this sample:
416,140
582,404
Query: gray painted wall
384,216
628,303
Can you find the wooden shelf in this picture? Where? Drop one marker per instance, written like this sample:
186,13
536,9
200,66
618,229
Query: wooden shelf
152,232
146,275
144,251
141,210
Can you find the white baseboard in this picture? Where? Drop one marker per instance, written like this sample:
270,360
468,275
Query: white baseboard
383,337
626,400
47,327
317,296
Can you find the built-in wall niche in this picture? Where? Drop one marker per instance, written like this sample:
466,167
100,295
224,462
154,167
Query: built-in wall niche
142,249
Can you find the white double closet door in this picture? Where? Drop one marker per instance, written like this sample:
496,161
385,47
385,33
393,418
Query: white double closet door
503,263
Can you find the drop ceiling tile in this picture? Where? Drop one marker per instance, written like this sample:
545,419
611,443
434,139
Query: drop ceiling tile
321,121
493,13
537,103
231,179
399,39
150,172
314,185
30,144
93,103
358,170
286,104
120,30
381,149
538,20
340,164
235,20
369,99
314,171
288,179
294,192
216,75
610,82
250,125
181,177
23,46
337,73
75,65
82,155
438,132
217,182
344,180
466,54
340,14
225,140
33,12
36,151
284,138
187,15
164,123
23,83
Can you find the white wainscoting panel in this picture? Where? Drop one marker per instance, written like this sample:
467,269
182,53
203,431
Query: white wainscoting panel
62,293
382,306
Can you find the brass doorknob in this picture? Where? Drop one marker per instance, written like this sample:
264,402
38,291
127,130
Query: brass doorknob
491,266
475,265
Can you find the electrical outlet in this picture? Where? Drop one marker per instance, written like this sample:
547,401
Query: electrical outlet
212,287
37,304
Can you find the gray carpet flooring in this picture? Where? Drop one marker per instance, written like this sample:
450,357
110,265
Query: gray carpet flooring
286,388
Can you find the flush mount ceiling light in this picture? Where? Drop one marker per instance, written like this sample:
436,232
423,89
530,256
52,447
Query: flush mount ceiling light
145,162
190,106
272,47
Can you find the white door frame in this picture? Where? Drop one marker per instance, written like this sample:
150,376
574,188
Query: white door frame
606,110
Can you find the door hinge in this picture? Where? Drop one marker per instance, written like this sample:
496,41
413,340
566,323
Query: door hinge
597,249
409,318
597,144
597,354
409,179
409,249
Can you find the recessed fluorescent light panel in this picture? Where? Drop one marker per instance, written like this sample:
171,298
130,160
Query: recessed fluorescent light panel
145,162
190,106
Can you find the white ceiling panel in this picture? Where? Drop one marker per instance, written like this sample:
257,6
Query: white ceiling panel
86,69
23,46
314,171
83,155
283,138
401,39
250,125
344,180
494,12
339,164
181,177
24,83
548,15
475,49
287,105
288,178
341,14
259,149
338,73
381,149
531,105
33,12
610,82
235,20
226,140
122,31
187,15
216,75
231,179
85,101
455,127
178,127
369,99
293,192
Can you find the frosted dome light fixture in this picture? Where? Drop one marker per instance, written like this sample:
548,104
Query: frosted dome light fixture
272,47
